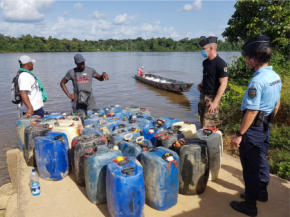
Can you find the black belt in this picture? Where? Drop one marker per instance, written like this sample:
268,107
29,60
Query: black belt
261,118
208,92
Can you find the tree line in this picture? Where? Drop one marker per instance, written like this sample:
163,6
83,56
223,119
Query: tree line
28,43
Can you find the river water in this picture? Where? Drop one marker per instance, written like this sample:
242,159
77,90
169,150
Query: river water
121,89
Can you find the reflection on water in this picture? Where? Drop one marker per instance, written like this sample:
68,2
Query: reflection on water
174,97
121,89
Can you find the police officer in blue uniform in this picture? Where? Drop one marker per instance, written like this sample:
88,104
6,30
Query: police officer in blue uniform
260,104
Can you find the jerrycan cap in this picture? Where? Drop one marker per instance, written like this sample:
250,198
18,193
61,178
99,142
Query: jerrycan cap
168,157
33,170
133,121
151,131
119,159
177,127
122,125
133,129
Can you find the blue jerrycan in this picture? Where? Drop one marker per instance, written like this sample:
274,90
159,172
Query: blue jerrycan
151,131
133,147
143,120
194,165
95,111
79,145
54,116
51,153
166,121
94,119
125,188
132,109
161,177
110,108
95,165
92,129
20,126
120,134
123,115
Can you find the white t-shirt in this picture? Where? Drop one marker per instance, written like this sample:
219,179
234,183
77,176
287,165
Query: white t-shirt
27,82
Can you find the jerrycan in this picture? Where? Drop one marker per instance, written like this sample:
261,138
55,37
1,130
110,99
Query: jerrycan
72,120
51,153
30,133
194,165
79,145
125,188
109,122
187,129
133,147
214,140
143,120
94,119
95,162
166,122
119,135
132,109
141,111
81,114
149,132
122,115
20,126
114,108
54,116
95,111
70,129
93,129
161,177
167,138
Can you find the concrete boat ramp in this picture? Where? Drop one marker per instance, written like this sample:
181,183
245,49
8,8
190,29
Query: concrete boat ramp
66,199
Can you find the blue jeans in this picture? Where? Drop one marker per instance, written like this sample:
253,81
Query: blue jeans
40,112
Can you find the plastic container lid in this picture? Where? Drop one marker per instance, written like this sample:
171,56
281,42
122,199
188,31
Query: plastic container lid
33,170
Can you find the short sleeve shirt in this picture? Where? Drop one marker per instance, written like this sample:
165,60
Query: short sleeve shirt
263,91
84,78
213,70
27,82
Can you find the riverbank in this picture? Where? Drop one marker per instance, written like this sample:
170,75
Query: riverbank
65,198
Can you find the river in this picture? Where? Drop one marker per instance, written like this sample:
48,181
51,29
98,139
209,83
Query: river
121,89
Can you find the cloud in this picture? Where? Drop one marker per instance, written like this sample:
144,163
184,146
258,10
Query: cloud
24,11
98,15
156,22
196,6
79,6
65,14
124,19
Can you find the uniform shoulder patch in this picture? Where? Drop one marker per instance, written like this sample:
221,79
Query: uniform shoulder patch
225,69
252,92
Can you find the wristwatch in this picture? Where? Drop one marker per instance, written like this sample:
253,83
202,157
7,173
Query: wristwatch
238,133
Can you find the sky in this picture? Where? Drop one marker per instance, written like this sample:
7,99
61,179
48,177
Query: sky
94,20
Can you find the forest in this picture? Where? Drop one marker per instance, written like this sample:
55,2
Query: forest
28,43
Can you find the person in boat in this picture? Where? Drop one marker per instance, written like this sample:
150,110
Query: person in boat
213,84
82,97
140,71
260,104
31,89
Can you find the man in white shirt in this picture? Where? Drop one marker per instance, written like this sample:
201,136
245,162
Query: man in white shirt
32,101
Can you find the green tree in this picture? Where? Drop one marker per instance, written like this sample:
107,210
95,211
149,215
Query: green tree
251,18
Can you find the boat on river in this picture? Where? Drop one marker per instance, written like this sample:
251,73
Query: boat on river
165,83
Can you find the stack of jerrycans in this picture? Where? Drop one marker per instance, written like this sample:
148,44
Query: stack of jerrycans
79,145
96,159
214,140
161,177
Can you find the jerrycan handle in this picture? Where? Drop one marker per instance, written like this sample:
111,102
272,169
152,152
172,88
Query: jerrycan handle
60,138
75,119
128,171
102,121
128,136
123,162
56,124
140,139
152,149
207,132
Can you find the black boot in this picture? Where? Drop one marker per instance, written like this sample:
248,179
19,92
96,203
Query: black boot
247,207
263,196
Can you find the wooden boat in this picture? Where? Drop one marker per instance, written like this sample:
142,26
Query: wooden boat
165,83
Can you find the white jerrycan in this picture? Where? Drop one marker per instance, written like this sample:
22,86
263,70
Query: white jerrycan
215,147
187,129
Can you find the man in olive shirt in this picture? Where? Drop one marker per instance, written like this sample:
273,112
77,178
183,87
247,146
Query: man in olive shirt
213,84
84,78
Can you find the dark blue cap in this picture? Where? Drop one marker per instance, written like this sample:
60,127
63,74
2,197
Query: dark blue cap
79,58
259,42
209,40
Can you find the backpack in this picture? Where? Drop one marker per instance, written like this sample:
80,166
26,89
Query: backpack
15,93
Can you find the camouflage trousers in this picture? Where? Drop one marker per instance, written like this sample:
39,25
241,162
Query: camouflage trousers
205,117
